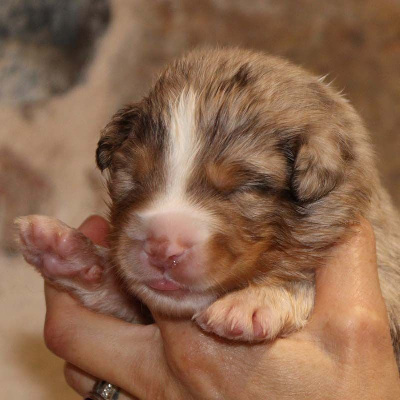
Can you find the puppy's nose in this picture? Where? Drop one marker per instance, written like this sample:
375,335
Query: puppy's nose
164,254
171,237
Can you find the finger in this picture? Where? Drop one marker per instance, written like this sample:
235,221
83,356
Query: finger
113,350
83,383
209,365
95,228
350,317
350,277
78,380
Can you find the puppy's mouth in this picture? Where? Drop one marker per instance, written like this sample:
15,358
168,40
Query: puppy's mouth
164,285
168,288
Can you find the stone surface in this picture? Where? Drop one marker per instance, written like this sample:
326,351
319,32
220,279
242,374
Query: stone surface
46,44
356,43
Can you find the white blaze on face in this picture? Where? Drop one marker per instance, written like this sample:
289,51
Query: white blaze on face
183,146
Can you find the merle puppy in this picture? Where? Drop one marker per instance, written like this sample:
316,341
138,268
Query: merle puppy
229,183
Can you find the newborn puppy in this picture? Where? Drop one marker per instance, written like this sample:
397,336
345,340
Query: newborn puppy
229,183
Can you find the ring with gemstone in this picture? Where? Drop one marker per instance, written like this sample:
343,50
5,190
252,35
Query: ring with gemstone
103,390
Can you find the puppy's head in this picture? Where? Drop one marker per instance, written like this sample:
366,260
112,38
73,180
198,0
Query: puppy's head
237,167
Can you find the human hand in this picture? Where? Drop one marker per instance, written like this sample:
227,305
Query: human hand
344,352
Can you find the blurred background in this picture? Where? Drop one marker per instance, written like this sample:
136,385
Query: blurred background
67,65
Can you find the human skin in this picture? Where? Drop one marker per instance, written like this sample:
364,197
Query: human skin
344,352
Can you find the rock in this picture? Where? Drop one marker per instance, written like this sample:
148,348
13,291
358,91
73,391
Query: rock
46,44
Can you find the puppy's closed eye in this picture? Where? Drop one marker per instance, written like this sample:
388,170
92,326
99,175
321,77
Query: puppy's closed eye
233,177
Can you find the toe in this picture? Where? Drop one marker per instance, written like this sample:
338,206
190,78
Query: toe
24,230
260,323
67,243
235,329
43,236
92,274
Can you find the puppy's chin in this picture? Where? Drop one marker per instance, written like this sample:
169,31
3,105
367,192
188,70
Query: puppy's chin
174,303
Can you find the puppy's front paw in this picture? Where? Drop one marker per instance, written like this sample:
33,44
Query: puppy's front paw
255,314
58,251
235,317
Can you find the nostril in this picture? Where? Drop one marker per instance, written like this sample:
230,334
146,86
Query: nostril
174,251
164,263
162,257
164,254
155,248
163,248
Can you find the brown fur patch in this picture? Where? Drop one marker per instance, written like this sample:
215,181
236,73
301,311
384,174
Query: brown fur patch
285,167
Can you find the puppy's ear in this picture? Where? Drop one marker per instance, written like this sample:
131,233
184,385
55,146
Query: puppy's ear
318,167
122,124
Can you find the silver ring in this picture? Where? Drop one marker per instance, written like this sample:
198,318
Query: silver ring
103,390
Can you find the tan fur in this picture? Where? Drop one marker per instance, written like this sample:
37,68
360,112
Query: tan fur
259,117
276,167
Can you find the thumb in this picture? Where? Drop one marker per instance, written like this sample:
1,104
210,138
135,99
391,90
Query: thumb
96,229
350,277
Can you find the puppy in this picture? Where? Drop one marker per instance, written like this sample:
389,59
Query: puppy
229,184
